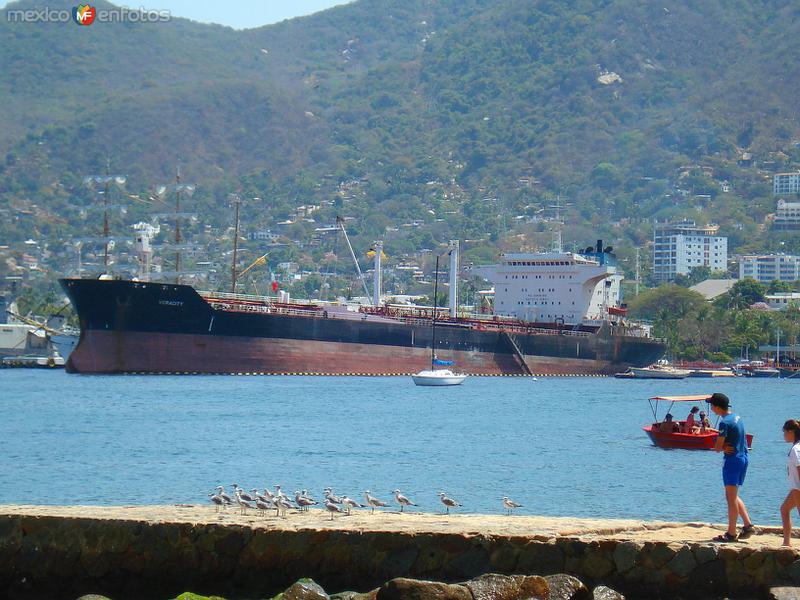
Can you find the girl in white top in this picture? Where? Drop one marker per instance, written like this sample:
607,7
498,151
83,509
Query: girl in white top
791,433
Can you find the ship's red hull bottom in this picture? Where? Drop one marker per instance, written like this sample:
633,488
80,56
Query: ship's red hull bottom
132,352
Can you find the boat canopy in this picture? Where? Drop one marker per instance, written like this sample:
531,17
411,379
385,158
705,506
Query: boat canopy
695,398
673,399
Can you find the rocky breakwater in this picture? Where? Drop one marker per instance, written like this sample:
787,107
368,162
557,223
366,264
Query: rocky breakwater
158,552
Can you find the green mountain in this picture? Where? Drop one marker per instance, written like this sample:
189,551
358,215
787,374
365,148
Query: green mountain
464,116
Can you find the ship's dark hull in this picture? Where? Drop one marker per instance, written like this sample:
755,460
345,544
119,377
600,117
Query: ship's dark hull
132,327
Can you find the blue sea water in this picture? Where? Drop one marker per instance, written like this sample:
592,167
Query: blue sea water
560,446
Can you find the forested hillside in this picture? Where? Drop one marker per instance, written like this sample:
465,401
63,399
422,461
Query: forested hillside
465,118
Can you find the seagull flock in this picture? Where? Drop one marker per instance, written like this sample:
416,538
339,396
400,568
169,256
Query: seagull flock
302,501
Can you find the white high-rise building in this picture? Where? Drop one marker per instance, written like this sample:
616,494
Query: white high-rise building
787,215
680,247
786,183
770,267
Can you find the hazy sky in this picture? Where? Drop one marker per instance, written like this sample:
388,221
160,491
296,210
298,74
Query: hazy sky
235,13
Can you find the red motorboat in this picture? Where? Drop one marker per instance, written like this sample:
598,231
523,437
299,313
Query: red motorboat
668,433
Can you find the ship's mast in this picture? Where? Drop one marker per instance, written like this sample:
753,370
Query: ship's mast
340,223
144,234
106,181
557,243
453,296
178,225
180,189
376,292
105,219
236,201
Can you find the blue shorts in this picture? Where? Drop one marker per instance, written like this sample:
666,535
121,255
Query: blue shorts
734,468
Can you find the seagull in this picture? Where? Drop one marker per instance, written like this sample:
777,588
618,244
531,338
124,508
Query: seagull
333,509
305,494
349,504
282,504
402,500
262,505
448,502
510,505
265,497
373,502
329,495
279,493
221,493
243,504
217,499
245,495
303,501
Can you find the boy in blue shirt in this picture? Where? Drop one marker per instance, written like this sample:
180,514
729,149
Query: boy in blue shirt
732,440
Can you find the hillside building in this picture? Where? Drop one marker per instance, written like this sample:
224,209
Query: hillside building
786,183
787,215
782,300
770,267
680,247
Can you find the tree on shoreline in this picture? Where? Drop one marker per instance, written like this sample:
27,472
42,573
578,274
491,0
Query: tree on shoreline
727,328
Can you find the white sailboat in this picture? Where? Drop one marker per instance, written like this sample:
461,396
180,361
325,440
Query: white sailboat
438,377
434,376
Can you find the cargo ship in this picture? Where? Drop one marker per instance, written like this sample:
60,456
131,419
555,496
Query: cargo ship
554,313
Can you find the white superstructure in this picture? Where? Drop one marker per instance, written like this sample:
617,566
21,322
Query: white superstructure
555,287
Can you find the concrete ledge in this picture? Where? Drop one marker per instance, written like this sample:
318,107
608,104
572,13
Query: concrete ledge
159,551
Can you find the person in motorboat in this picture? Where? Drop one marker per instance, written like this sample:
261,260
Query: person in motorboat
704,422
690,426
732,441
667,425
791,434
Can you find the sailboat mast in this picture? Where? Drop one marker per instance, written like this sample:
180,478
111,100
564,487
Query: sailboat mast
435,306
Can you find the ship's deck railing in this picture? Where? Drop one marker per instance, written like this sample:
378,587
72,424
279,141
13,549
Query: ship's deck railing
422,316
264,305
240,297
232,306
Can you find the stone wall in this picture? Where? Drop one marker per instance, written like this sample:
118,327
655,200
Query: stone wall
57,557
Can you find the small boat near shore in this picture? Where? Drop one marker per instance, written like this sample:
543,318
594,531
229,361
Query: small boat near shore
765,372
668,433
438,377
660,370
54,361
712,373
